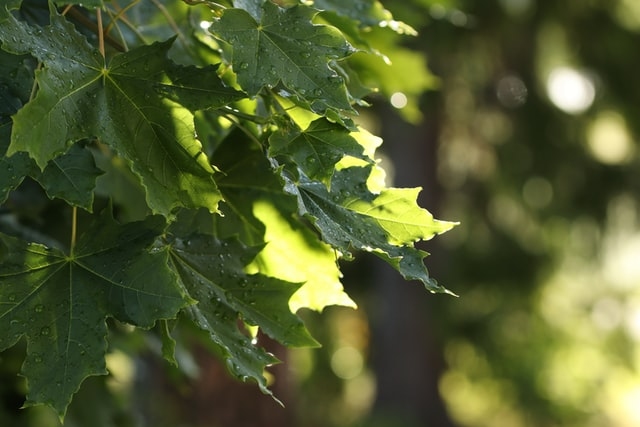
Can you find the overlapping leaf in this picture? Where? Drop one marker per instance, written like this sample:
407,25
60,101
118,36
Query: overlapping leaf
285,46
60,302
80,96
317,149
257,209
387,224
212,272
366,12
16,81
70,177
195,88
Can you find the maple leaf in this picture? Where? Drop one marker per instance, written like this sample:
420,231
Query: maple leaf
386,224
71,176
60,301
212,271
15,85
121,103
318,148
365,12
257,209
279,45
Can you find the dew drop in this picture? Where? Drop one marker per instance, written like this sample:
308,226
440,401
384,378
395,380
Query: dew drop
12,297
244,65
39,308
305,55
45,331
317,92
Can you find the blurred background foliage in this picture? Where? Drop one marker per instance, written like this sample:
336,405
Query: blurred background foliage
525,130
528,137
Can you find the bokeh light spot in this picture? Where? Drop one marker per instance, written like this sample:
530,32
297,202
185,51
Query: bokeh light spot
570,90
399,100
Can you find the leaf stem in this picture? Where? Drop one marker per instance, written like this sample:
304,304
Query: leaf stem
100,33
120,15
211,4
172,23
74,226
251,117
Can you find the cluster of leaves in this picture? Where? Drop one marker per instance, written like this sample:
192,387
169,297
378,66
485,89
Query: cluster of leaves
208,169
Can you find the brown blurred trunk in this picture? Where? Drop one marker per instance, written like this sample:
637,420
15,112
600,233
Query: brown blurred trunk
407,355
214,398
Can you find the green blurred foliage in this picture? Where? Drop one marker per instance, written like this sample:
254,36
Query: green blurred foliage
542,173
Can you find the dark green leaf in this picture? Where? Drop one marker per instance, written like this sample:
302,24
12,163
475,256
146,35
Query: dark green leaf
212,272
16,80
71,177
317,149
195,88
60,302
386,224
284,46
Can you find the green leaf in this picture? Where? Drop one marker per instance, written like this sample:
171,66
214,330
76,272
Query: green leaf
16,80
295,254
60,302
168,343
349,216
258,210
12,169
317,149
241,190
285,47
71,177
212,271
369,13
79,96
194,88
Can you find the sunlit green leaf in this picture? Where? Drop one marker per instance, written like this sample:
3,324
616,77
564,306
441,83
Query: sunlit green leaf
302,258
257,209
350,217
